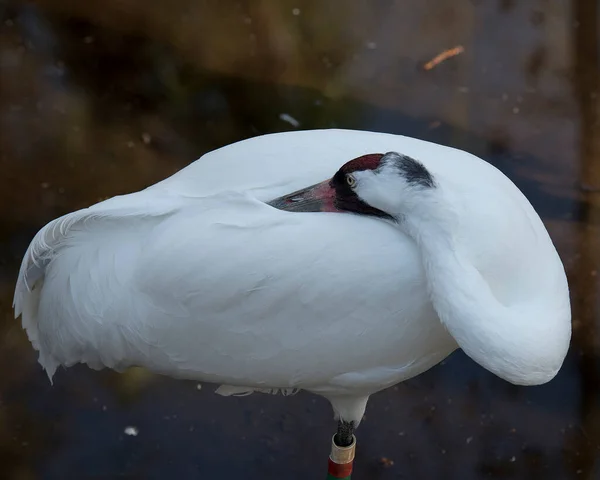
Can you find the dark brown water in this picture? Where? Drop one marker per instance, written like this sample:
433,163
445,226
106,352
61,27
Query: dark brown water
103,98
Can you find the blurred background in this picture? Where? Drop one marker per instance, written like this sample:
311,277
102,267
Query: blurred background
99,98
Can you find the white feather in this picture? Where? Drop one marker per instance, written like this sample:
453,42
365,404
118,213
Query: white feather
195,277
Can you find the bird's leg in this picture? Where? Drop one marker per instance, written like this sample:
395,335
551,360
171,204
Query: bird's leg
345,433
341,459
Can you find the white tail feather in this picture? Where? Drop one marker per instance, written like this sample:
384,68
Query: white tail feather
231,390
55,236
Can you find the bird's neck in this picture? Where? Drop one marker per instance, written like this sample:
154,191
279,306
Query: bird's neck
511,341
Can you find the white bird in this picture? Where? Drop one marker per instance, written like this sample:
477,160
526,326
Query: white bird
200,277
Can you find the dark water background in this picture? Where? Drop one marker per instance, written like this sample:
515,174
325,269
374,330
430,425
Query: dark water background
102,98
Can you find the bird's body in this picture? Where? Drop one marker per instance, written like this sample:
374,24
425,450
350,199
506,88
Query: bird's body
197,277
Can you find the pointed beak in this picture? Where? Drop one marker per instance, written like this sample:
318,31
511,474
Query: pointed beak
316,198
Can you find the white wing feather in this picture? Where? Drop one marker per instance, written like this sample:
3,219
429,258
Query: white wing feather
50,245
208,289
190,281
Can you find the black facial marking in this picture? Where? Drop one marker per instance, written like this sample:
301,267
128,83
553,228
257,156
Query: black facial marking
412,170
347,199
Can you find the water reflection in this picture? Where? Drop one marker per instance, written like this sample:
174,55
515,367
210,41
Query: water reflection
97,99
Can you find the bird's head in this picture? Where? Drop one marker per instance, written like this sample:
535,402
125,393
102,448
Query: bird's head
382,185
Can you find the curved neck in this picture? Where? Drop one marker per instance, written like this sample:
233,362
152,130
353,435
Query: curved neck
511,341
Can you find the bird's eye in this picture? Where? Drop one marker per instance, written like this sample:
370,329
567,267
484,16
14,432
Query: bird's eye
350,180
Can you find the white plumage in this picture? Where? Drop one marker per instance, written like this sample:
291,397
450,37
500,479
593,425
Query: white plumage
197,277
